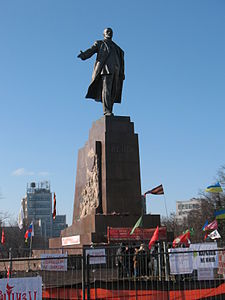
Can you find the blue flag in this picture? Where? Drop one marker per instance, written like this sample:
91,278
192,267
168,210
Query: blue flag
205,225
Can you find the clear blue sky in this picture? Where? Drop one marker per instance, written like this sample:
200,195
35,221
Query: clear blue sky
174,93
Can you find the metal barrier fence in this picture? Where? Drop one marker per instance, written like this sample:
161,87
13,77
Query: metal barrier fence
122,273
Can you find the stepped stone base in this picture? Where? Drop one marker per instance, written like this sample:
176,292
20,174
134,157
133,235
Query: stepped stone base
108,188
94,228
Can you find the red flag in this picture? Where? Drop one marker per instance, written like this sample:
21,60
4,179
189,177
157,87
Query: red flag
205,237
3,237
26,234
8,272
54,208
154,238
182,239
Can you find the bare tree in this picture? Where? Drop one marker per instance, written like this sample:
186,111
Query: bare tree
210,202
173,225
221,175
197,218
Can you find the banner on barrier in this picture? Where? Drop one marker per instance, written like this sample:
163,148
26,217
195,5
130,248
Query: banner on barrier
205,274
180,263
205,255
54,262
97,256
200,257
21,288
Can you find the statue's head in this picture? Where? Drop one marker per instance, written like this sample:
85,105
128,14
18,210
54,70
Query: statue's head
108,33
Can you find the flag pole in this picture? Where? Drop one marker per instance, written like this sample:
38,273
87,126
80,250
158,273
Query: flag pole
142,229
30,254
30,246
165,205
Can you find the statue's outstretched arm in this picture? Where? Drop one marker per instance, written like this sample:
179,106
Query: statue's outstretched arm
89,52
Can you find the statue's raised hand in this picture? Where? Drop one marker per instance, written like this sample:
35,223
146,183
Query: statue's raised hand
81,55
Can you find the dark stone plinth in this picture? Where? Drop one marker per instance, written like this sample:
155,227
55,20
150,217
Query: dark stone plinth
108,188
99,223
119,189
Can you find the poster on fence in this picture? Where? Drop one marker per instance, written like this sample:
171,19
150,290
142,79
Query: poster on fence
221,263
180,261
54,262
205,255
97,256
21,288
205,274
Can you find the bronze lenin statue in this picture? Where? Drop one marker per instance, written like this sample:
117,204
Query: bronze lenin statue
108,74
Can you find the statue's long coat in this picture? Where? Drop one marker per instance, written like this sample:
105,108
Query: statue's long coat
103,50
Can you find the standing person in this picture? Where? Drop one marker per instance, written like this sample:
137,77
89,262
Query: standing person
108,75
136,261
131,252
142,260
154,254
128,261
120,261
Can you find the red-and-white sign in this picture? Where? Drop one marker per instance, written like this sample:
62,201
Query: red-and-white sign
21,288
221,263
71,240
118,234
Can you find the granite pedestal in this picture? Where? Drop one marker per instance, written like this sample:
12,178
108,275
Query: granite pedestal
108,187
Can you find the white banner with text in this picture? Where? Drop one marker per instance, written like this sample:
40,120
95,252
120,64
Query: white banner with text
205,255
97,256
21,288
54,262
180,262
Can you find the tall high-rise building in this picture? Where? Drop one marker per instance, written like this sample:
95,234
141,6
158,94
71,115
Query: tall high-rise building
37,205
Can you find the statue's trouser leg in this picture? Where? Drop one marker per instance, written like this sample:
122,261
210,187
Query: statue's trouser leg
107,83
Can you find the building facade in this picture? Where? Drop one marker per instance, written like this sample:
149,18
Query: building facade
37,206
183,208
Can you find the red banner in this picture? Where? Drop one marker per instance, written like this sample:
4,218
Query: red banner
120,234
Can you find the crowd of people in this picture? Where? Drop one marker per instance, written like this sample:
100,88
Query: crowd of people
136,261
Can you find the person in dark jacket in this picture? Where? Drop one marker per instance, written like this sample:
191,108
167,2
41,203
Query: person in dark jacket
108,75
142,260
136,261
128,261
120,261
